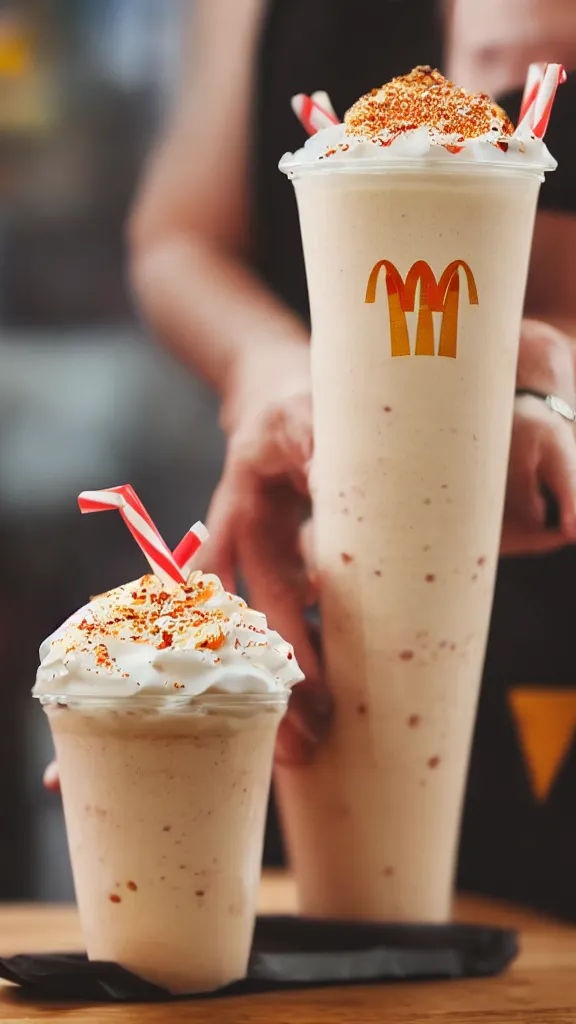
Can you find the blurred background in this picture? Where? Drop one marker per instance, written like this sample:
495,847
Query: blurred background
86,399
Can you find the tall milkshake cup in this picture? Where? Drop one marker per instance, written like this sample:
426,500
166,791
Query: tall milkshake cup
164,709
417,218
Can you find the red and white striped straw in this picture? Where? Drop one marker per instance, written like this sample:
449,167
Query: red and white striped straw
534,78
313,116
188,546
128,504
554,75
322,99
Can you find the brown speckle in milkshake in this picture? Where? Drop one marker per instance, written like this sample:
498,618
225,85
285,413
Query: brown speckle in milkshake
433,762
444,487
346,558
427,501
114,898
426,547
341,494
167,828
132,886
199,892
406,655
377,572
430,577
388,872
362,709
360,519
482,561
414,721
387,408
474,577
452,647
182,867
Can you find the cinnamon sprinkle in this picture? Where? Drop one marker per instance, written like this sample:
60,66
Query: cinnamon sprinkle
424,98
144,618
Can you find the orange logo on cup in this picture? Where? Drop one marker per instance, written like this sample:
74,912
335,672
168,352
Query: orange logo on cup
435,297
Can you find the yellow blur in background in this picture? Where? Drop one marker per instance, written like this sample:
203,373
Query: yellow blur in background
87,400
27,101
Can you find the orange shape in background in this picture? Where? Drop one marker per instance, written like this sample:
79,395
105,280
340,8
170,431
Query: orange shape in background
16,59
545,720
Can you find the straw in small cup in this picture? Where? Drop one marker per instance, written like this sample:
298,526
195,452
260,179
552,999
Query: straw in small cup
188,547
171,569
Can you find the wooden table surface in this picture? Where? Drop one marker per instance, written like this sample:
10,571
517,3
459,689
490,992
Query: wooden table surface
540,988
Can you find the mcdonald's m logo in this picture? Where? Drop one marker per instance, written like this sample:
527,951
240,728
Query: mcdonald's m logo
441,296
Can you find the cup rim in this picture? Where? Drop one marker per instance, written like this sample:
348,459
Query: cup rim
165,703
295,169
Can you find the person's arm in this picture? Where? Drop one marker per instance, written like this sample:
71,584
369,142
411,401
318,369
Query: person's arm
543,447
189,239
551,292
489,49
189,231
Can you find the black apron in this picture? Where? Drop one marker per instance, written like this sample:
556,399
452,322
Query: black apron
519,831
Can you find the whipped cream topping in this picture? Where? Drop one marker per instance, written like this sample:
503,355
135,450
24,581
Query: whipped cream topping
140,639
421,116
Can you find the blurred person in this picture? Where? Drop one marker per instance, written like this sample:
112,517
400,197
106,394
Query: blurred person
217,266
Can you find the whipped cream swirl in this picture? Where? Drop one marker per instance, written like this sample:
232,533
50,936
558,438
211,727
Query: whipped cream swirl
421,116
139,639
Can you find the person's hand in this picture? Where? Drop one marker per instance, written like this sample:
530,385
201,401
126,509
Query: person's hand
543,451
256,522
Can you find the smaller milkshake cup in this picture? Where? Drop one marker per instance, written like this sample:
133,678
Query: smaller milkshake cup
164,709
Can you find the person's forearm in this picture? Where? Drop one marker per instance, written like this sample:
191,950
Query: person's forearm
545,360
565,323
216,315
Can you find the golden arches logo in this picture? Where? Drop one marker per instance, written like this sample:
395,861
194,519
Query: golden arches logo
441,296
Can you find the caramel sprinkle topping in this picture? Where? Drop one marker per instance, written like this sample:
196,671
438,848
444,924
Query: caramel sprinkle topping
424,98
158,615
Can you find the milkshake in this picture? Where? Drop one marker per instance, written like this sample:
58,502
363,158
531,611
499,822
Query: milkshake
417,217
164,709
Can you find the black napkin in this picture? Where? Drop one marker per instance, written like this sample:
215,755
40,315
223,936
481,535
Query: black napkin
292,952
